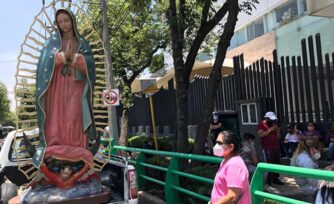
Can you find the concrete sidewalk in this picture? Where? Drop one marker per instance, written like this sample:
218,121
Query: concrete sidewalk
146,198
289,189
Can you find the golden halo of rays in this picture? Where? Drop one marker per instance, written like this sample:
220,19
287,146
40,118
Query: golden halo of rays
26,116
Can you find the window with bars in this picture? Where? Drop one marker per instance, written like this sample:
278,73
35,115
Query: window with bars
249,114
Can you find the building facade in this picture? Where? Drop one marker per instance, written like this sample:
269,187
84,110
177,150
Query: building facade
284,23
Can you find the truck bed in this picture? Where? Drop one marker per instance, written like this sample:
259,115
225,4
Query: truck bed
112,176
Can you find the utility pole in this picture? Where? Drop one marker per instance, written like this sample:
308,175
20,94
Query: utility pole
113,122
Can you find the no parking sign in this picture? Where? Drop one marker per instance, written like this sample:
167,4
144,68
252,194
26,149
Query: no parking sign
111,97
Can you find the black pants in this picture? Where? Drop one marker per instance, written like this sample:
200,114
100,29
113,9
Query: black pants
292,146
273,157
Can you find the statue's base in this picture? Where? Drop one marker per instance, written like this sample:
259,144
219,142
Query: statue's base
103,197
79,193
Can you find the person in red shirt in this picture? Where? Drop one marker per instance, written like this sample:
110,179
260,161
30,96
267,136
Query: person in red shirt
268,131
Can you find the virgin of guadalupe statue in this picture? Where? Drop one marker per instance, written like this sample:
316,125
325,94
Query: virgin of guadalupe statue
64,91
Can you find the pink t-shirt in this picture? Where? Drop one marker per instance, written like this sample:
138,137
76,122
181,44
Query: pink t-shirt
231,174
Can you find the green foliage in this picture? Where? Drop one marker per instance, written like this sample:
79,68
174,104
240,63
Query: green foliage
158,161
205,170
209,45
157,63
271,202
126,94
164,143
10,119
248,6
6,117
208,171
135,43
136,36
4,101
136,39
195,13
137,141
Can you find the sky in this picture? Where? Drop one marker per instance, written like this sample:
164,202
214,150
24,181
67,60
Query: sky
16,17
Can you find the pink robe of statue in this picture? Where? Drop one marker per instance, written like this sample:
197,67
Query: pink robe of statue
64,134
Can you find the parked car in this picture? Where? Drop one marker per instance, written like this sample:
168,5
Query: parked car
117,174
5,130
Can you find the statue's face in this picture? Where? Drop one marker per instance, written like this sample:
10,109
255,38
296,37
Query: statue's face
65,173
64,22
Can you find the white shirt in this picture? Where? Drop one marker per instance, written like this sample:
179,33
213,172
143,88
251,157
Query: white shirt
291,137
304,160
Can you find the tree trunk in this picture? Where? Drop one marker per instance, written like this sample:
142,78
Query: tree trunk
123,140
182,115
182,83
183,69
215,76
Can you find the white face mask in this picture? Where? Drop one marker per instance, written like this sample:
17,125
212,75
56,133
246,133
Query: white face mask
218,150
317,155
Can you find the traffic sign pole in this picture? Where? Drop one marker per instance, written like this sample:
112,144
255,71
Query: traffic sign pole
113,119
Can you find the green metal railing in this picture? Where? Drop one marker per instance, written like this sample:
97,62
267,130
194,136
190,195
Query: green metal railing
173,173
258,195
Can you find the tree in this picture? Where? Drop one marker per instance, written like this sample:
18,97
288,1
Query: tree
190,22
215,75
136,38
9,120
184,19
6,116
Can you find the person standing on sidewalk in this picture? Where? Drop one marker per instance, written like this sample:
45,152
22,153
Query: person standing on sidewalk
268,131
231,180
215,127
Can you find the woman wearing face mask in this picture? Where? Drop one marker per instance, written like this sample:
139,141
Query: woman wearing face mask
307,156
291,139
215,127
231,181
311,133
269,134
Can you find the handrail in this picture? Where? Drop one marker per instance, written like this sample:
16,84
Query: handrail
172,180
194,177
257,181
263,195
203,158
154,167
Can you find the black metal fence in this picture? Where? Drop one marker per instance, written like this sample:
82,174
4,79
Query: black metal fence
165,103
298,88
256,81
164,108
225,100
